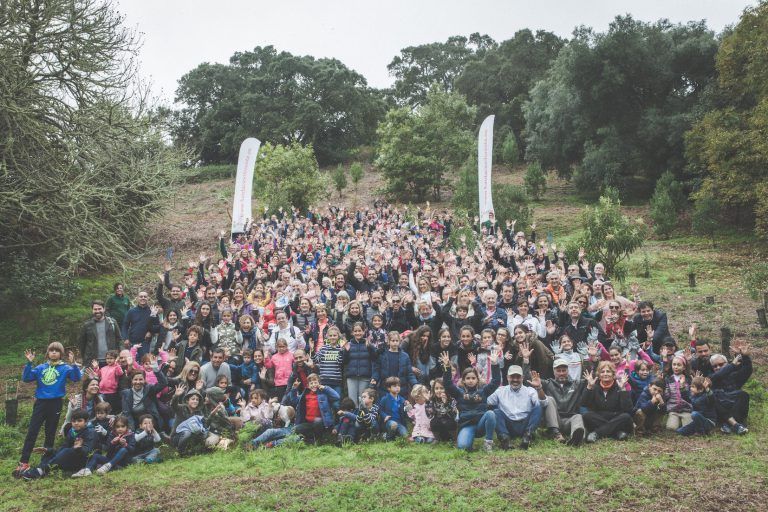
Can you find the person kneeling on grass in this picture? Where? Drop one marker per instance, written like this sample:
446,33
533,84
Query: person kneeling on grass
120,445
474,418
518,408
564,396
314,414
78,445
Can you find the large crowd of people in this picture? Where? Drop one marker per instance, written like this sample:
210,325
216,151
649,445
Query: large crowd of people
347,326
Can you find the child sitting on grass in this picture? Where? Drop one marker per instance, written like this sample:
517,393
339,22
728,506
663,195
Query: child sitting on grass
51,378
147,442
120,445
257,410
346,427
72,456
422,433
704,415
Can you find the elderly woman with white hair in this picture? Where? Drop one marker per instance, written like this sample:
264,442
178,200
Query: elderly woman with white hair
731,402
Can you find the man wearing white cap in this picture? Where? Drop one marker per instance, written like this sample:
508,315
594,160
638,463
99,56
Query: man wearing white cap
563,394
518,409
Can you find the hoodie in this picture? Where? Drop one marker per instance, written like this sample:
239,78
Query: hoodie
51,378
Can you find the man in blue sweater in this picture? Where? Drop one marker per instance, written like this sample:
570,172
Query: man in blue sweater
140,323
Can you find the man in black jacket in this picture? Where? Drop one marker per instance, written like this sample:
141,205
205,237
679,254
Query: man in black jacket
98,335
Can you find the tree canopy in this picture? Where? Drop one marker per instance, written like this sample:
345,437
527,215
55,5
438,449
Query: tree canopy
499,82
279,98
728,146
83,165
614,106
418,68
417,146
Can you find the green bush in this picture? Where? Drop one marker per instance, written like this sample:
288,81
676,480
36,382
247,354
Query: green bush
356,173
339,178
288,176
706,216
663,213
535,180
755,280
509,150
610,237
33,282
511,202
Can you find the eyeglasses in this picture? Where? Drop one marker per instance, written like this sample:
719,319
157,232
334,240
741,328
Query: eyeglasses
193,371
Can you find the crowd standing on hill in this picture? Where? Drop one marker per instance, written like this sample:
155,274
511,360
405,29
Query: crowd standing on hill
346,326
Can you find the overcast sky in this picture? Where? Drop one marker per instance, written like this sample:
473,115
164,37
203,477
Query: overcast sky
365,35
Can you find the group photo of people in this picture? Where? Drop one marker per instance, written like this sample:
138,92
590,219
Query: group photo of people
341,326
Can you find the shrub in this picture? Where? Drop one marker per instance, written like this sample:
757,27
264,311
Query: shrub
609,237
705,218
663,213
339,178
535,180
288,175
356,173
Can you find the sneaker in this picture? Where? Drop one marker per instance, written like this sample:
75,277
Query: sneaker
740,429
82,472
621,435
488,445
592,437
577,436
525,442
726,429
33,474
504,442
20,469
104,469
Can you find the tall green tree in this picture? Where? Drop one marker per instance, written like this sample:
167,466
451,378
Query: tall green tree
288,175
419,147
339,178
418,68
279,98
614,106
83,164
728,147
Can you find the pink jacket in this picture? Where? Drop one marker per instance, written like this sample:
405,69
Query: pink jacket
261,414
283,365
421,423
148,376
109,377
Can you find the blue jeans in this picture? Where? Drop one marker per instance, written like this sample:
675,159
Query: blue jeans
699,425
393,429
67,459
485,426
98,459
149,457
272,434
516,428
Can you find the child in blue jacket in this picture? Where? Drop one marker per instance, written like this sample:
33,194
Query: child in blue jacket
314,414
78,445
51,378
704,415
392,410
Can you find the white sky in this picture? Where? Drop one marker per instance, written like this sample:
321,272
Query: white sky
365,35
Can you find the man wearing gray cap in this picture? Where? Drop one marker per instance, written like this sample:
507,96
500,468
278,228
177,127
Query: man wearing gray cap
563,399
517,408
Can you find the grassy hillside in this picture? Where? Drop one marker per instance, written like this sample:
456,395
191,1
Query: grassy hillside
664,472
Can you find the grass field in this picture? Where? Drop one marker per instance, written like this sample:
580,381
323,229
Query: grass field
661,473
